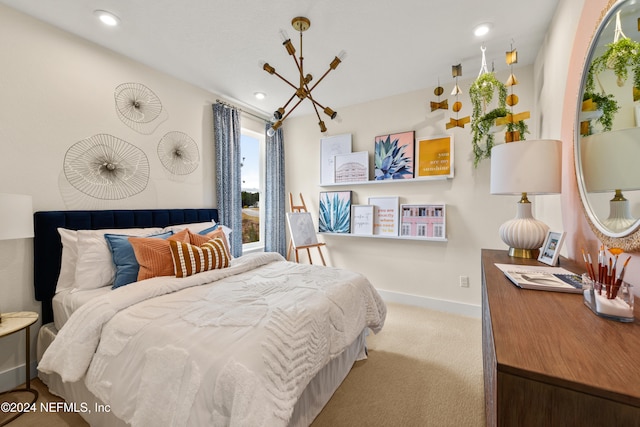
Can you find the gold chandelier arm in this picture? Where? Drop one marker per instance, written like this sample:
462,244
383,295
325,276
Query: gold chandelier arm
285,80
334,64
292,108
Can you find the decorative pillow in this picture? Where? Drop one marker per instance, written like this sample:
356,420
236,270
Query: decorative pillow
194,227
95,268
124,258
154,255
199,239
225,229
190,259
67,276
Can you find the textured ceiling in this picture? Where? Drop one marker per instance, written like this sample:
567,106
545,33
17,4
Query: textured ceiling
392,46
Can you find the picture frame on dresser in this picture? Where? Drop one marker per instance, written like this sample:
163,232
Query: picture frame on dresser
550,250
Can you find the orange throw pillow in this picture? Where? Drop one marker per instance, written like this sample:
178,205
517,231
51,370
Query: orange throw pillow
199,239
154,255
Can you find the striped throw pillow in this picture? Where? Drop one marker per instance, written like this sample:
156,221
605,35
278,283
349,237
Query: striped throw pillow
190,259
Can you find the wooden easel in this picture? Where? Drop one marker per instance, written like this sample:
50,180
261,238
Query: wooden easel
302,208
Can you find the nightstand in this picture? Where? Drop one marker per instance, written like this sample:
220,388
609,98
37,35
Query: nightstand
11,323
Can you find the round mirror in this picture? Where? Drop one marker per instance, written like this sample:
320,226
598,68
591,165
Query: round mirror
607,149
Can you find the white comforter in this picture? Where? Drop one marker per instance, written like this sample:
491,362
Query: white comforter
228,347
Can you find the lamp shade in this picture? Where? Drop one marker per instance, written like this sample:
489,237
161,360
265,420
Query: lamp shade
16,216
610,160
533,167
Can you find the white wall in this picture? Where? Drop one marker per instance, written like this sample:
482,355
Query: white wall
420,272
55,90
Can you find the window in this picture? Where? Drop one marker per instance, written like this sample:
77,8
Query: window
252,154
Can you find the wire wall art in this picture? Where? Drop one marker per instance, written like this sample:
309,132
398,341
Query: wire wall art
178,153
106,167
137,107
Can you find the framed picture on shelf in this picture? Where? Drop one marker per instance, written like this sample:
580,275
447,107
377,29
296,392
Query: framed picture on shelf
351,167
335,212
550,250
423,221
329,148
434,157
394,156
385,217
362,219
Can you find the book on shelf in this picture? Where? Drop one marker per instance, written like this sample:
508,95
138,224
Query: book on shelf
555,279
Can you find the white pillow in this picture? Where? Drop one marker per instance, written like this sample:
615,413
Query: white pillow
67,275
194,227
94,267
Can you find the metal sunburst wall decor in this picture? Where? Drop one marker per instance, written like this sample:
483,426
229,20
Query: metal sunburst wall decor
137,105
106,167
178,153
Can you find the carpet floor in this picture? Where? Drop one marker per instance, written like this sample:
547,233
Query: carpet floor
424,369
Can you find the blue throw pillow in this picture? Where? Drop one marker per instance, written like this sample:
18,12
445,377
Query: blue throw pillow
208,230
124,258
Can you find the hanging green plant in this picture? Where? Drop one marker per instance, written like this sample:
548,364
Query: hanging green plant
609,107
619,56
481,94
520,126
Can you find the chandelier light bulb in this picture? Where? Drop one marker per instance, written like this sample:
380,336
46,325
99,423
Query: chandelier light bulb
271,132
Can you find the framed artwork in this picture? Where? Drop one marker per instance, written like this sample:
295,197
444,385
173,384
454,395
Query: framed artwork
329,148
385,217
351,167
394,156
550,250
301,229
423,221
434,157
362,219
335,212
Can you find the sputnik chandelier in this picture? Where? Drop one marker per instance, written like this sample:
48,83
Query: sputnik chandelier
303,90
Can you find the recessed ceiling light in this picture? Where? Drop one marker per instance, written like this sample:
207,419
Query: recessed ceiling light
482,30
259,95
107,18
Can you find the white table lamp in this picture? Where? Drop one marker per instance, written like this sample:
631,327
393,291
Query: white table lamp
610,164
525,167
16,218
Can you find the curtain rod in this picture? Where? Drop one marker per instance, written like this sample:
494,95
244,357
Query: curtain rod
243,111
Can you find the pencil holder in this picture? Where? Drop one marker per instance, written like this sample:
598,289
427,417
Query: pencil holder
608,301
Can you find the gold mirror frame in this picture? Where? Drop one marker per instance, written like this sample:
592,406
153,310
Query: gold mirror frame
628,240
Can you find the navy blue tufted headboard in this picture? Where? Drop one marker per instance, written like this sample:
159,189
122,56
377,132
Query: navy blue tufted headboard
47,247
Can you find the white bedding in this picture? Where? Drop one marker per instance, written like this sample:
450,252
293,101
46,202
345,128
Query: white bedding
68,300
228,347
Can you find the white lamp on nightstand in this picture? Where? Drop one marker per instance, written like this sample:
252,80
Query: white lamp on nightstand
525,167
16,218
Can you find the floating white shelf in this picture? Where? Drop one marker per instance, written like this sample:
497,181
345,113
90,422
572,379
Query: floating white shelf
378,236
386,181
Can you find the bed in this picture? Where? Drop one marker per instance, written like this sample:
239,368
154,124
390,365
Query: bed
256,341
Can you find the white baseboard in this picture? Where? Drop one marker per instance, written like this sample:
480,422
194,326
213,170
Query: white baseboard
12,378
462,309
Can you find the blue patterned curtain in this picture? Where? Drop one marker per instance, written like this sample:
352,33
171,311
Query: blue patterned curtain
274,203
226,131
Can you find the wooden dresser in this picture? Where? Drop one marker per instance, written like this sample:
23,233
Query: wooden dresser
549,361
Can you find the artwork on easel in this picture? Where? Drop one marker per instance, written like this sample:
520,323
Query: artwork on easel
301,228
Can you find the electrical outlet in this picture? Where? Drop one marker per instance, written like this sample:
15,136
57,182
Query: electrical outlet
464,281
